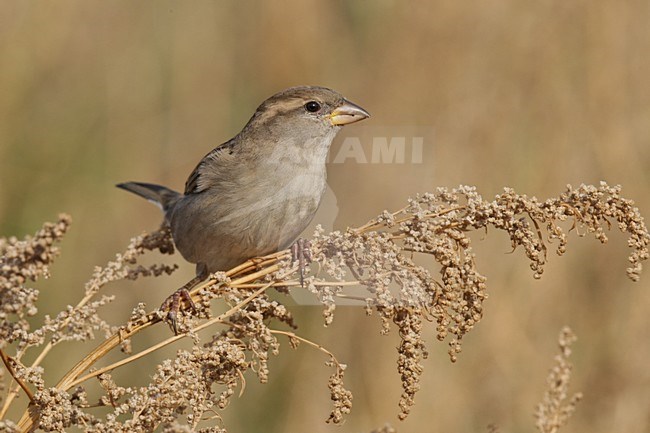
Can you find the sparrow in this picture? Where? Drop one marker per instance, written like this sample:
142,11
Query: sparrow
254,194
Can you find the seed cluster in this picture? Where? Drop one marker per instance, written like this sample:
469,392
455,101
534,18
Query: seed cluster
382,257
556,407
22,261
415,266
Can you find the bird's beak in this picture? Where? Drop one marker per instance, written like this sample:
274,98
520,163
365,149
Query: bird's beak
347,113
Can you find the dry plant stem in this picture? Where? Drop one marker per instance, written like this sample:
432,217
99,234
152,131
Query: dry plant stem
19,381
114,341
257,263
556,408
306,341
71,378
297,284
218,319
27,421
13,392
374,225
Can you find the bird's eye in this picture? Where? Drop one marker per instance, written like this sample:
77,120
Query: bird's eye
312,106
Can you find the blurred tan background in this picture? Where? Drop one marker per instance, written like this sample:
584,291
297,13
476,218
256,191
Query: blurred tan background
532,95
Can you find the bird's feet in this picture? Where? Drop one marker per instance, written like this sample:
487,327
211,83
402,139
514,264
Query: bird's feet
301,253
179,300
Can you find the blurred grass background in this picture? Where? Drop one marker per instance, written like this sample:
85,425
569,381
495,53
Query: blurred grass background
532,95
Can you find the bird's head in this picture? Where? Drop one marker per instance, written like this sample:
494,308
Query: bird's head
306,112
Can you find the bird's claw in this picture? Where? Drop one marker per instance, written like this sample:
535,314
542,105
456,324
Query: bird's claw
172,305
301,253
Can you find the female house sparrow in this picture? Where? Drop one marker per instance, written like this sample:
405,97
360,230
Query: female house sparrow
254,194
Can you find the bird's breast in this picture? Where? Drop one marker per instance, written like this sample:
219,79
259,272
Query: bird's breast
265,212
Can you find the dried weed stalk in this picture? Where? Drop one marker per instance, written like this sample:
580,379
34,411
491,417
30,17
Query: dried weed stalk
556,407
188,392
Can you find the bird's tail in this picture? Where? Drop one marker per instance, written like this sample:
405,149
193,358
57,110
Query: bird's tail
161,196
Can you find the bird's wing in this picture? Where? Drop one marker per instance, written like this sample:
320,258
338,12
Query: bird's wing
194,185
